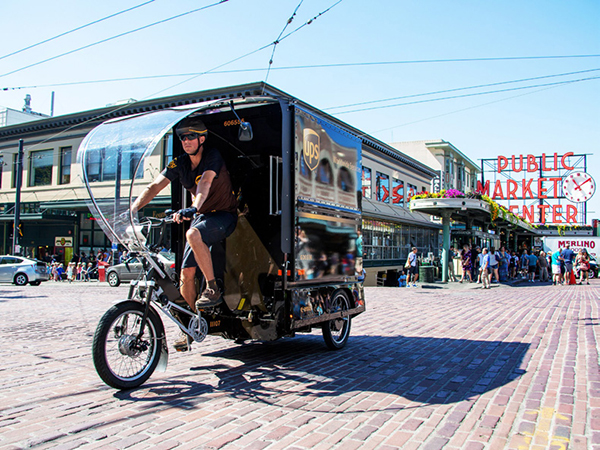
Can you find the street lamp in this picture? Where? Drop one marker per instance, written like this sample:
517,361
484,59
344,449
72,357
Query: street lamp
18,181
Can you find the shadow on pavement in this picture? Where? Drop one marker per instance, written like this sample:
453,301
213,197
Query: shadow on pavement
420,369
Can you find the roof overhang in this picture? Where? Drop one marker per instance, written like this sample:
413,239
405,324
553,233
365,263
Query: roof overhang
464,209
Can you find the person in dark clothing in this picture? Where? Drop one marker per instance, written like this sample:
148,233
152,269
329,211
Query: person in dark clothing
202,171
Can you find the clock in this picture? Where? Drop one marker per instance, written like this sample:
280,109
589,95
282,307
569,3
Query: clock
578,187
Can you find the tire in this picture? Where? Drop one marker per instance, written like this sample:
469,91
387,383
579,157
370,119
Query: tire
113,279
336,332
592,274
120,360
21,279
35,283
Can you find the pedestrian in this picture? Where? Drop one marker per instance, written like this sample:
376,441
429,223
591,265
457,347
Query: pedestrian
569,258
524,264
475,252
413,269
556,274
466,263
503,262
451,256
533,262
70,272
493,267
583,264
402,279
480,264
543,265
485,269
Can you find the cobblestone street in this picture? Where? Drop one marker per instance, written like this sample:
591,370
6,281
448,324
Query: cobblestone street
453,368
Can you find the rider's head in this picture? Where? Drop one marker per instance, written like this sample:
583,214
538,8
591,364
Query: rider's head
192,133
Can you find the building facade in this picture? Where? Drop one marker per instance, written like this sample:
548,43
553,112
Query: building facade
55,219
454,170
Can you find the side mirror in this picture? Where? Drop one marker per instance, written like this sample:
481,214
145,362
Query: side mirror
245,132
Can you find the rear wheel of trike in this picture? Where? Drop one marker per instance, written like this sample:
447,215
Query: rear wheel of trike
121,359
337,331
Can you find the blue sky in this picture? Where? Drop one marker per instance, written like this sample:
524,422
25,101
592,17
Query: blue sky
546,119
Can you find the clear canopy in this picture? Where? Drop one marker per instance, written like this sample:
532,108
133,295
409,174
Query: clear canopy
113,158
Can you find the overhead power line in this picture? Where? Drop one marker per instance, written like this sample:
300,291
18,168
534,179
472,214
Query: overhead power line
77,29
462,89
287,24
313,66
113,37
558,83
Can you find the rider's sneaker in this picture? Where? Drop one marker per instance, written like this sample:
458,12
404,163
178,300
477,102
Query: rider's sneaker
183,343
209,298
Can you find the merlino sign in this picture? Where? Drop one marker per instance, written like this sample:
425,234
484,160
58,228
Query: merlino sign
540,189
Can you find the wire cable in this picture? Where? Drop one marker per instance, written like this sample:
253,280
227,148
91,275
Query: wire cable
462,89
77,29
316,66
468,95
289,21
113,37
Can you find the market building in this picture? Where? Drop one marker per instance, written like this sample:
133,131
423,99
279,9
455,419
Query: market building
55,220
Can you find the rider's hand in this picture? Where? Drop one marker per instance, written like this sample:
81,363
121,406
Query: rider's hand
185,213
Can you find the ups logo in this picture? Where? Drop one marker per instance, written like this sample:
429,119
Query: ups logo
312,146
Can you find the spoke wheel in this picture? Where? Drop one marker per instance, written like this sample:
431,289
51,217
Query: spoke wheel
336,332
121,359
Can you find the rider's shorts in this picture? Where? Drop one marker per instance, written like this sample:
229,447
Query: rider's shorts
214,227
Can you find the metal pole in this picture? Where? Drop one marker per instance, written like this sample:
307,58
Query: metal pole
446,245
18,182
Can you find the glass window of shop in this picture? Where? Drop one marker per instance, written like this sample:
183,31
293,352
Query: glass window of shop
65,165
167,149
411,190
100,168
366,182
389,243
40,168
397,192
92,238
383,187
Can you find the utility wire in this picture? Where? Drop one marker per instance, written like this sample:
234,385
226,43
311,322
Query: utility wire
170,87
462,89
289,21
469,95
465,109
316,66
77,29
113,37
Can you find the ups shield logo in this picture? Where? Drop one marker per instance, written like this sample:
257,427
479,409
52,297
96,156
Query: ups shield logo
312,146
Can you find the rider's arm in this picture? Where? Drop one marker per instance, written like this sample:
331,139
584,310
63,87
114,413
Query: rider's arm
203,188
150,192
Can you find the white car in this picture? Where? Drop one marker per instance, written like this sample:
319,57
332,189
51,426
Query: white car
132,269
20,270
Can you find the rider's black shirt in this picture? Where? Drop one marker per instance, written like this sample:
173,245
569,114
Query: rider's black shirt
220,196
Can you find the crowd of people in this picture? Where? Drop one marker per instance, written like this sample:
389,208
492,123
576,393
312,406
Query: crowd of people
487,266
81,267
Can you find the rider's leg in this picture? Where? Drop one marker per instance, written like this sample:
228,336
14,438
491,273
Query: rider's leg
201,253
188,286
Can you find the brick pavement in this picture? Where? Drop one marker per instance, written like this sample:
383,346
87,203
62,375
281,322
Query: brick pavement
458,368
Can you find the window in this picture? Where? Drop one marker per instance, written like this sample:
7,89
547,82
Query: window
65,165
411,190
103,168
1,166
167,150
40,168
13,181
366,182
383,188
398,192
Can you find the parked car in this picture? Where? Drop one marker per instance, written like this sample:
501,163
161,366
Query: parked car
132,268
20,270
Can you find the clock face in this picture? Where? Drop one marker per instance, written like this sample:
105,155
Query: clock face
579,187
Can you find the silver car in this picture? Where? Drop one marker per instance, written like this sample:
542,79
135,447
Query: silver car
20,271
132,268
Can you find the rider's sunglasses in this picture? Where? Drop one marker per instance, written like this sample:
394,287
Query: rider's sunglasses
188,137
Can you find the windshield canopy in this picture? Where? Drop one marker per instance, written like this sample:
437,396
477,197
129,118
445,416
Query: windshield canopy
113,158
